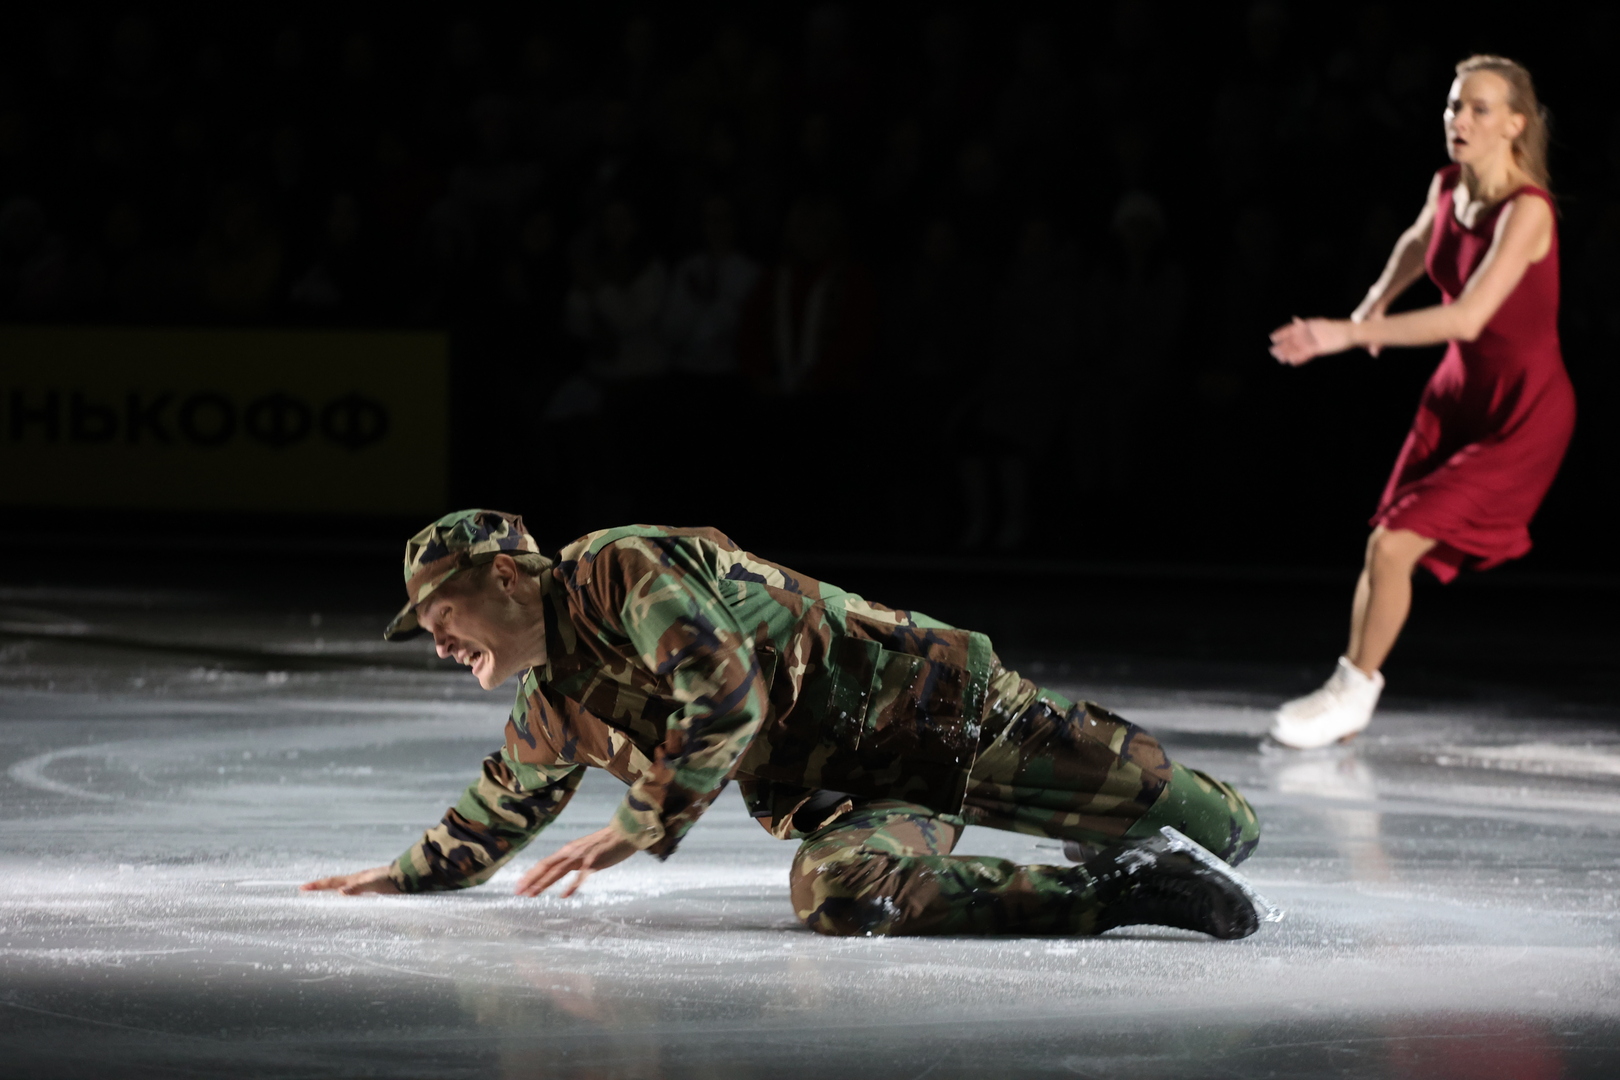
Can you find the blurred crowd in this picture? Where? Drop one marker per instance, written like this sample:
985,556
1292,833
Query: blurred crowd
979,262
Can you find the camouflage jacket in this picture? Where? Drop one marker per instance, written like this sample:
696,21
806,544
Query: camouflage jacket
677,661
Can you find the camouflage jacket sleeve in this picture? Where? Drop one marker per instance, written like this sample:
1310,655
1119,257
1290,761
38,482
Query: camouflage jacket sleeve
494,819
665,601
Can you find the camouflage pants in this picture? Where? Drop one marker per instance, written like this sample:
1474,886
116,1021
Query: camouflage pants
1046,767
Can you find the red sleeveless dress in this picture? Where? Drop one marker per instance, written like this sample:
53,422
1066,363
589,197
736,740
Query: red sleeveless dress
1496,416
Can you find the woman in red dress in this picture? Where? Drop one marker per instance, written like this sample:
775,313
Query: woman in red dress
1498,412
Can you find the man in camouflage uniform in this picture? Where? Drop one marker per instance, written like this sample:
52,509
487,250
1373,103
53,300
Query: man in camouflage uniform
677,662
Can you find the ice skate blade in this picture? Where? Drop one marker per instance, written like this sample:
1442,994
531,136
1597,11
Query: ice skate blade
1270,744
1179,841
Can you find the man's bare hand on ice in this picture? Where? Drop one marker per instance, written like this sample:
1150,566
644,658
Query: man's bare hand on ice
375,880
598,851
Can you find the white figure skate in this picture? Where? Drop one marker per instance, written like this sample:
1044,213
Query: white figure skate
1338,712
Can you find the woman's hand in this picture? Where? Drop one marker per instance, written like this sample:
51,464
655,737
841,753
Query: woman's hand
1304,339
375,880
588,854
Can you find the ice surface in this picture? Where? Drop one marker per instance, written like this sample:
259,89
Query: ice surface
1449,883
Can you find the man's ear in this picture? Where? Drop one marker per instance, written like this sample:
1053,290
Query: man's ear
504,569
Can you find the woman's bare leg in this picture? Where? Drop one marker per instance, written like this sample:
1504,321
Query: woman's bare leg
1358,612
1383,595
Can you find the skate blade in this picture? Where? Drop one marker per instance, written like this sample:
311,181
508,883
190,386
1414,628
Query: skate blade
1179,841
1271,746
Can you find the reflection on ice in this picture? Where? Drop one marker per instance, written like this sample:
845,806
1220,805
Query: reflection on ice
1338,784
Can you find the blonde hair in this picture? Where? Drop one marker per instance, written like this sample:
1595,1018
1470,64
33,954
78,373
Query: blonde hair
1530,148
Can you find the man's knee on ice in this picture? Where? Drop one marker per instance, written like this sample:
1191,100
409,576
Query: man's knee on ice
847,916
844,898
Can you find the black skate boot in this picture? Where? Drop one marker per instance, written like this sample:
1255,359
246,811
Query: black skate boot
1169,880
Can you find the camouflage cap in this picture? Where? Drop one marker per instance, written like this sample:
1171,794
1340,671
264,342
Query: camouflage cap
454,543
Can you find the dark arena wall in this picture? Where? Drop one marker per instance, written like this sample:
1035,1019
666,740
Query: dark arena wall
1054,243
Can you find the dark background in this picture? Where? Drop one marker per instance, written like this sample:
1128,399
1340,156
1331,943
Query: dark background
1052,247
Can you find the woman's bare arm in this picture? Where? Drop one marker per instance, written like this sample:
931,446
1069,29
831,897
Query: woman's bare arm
1523,236
1405,263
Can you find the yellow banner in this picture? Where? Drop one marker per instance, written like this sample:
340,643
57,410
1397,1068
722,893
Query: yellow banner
345,422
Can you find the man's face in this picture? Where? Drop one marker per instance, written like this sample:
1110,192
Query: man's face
478,622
